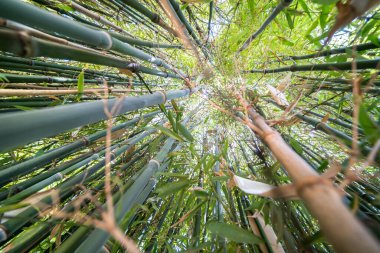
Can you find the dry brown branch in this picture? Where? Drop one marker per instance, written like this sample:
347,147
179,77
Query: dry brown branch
179,28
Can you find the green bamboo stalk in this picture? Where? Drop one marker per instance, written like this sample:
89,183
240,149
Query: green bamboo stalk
116,45
38,18
43,229
282,5
73,164
66,188
209,19
362,64
98,237
22,168
142,43
51,121
24,45
339,80
83,231
190,30
36,233
32,62
154,17
358,48
52,6
153,239
137,17
365,150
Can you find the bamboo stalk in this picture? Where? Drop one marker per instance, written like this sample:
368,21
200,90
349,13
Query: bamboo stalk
52,121
178,27
32,62
35,17
116,44
362,64
24,45
154,17
143,43
282,5
357,48
322,200
44,92
92,15
44,20
98,237
65,189
24,167
36,33
189,29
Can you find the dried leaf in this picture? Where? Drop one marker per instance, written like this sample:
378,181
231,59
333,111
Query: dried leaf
278,96
126,72
284,83
219,173
325,118
252,187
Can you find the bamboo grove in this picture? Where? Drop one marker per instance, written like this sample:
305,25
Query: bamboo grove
193,126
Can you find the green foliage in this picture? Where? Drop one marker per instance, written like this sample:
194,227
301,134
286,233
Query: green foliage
80,85
183,130
232,232
370,127
325,2
173,187
169,133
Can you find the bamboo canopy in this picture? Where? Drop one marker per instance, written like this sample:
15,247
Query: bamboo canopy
157,126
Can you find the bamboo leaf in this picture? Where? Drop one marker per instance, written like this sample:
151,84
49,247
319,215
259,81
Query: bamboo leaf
172,121
370,128
172,187
374,39
183,130
169,133
232,232
296,146
289,20
304,7
80,84
168,174
251,6
325,2
189,214
23,108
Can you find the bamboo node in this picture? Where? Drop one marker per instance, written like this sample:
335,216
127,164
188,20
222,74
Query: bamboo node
155,162
3,233
134,67
311,181
85,141
155,18
58,176
95,157
26,43
164,95
108,44
268,135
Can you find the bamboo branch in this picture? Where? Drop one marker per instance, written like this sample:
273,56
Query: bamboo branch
282,5
362,64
